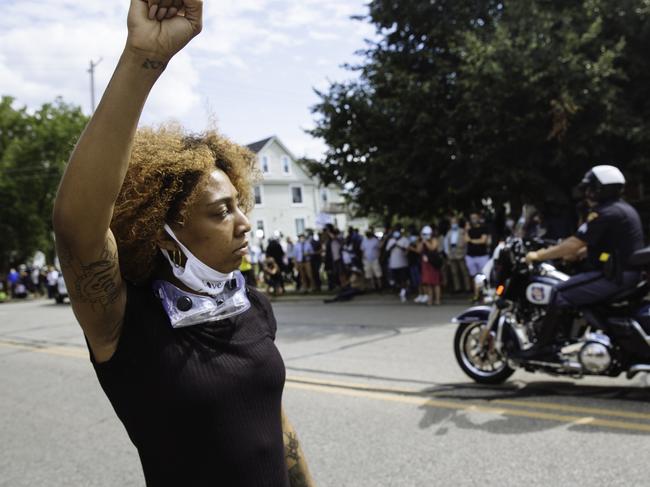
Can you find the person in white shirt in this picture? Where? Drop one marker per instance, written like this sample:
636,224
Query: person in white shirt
52,278
302,252
370,248
397,248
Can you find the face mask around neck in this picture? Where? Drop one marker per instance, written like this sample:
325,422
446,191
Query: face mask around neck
226,292
196,275
186,309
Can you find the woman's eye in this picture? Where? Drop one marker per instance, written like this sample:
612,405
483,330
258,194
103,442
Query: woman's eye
222,213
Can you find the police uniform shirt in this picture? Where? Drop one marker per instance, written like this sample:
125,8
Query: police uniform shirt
612,229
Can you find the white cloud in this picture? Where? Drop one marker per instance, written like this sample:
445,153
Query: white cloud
255,60
52,59
251,28
175,96
322,36
46,59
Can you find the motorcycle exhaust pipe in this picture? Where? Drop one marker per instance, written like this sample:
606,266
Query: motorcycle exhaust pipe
574,369
635,369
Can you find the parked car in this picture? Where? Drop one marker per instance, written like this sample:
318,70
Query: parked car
61,291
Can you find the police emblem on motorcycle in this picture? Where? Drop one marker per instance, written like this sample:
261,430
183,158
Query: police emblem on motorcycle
539,293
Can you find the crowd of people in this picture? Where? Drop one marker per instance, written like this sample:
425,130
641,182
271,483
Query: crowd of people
417,263
26,281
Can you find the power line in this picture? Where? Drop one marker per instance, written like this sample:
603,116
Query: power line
91,70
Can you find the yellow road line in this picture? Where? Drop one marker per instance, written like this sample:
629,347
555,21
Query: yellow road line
436,404
412,396
509,402
54,350
355,385
573,409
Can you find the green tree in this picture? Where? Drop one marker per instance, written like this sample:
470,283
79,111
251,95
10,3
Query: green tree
463,100
34,148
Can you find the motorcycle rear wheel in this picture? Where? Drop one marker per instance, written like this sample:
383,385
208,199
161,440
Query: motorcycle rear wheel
482,366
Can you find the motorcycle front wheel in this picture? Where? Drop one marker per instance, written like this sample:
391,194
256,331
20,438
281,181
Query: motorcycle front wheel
482,363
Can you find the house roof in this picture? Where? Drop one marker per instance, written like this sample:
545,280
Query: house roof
259,145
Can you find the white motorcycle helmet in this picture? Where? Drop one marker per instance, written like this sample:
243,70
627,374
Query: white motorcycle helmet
603,183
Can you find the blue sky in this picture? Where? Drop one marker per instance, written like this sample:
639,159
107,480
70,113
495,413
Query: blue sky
251,71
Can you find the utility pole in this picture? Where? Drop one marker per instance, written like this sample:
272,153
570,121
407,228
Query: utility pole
91,70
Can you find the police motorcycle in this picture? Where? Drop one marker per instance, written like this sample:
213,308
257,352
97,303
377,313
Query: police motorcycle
607,339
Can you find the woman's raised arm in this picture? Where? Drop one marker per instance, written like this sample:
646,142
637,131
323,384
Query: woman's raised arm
94,175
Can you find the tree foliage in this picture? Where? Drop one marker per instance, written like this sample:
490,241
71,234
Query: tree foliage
34,148
460,100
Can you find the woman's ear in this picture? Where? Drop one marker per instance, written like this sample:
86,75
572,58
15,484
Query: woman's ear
165,242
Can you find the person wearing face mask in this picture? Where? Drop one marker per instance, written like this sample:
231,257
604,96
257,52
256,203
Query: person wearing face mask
429,248
610,234
370,249
150,231
455,248
397,250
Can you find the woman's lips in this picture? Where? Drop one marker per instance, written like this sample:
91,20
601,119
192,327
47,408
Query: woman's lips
243,250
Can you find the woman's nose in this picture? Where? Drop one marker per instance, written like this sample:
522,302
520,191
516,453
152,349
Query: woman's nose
243,224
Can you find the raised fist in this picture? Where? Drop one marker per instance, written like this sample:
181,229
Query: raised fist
164,9
161,28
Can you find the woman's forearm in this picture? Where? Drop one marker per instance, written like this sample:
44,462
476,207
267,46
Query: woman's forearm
299,475
98,164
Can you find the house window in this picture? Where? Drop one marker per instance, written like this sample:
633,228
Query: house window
265,165
258,195
286,165
323,195
300,226
296,195
259,229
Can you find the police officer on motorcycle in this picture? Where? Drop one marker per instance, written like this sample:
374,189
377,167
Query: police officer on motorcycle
611,233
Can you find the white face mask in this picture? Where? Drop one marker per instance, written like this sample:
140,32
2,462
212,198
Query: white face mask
196,275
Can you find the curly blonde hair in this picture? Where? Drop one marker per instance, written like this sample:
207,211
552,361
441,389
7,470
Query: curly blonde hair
167,168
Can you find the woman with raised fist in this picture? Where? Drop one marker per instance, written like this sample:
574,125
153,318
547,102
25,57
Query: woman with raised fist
150,229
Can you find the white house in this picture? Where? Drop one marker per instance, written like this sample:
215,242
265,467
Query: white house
288,200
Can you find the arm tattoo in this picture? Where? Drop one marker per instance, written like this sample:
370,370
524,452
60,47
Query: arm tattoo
297,477
291,447
94,283
152,64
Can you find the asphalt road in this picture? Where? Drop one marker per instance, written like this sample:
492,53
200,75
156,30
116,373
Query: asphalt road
373,390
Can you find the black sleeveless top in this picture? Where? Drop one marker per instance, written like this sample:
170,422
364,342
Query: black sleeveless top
202,404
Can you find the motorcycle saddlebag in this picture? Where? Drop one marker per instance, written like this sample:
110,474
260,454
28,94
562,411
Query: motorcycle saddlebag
627,336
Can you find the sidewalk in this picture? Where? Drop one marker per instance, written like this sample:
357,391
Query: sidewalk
28,299
387,297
